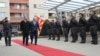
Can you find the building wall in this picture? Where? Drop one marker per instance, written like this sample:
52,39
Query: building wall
5,9
36,11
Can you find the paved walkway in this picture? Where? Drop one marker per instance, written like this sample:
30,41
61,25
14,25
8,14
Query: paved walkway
17,50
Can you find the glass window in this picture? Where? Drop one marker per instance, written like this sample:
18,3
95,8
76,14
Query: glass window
23,6
2,14
2,4
16,6
34,6
26,15
17,15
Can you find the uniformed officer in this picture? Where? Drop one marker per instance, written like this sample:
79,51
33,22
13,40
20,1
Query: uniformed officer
93,27
53,29
74,29
58,28
82,26
49,30
65,26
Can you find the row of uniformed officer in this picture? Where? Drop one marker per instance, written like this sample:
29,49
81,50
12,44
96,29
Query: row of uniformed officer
75,27
53,29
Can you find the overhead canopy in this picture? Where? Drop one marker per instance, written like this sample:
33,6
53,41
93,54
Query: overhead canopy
69,5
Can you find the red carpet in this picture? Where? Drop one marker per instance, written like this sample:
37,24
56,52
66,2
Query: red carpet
47,51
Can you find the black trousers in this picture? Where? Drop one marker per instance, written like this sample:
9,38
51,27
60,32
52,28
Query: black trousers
49,31
58,33
83,33
74,34
25,38
65,32
93,31
0,36
8,41
7,35
53,33
35,36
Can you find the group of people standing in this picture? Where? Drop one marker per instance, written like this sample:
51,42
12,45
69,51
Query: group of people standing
53,28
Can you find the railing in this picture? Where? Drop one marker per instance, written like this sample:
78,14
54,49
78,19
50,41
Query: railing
18,1
19,10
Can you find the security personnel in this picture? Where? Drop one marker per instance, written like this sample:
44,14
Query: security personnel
74,29
58,28
7,28
65,26
82,26
48,28
93,27
53,29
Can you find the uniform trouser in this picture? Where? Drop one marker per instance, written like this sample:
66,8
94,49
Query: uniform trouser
93,31
35,36
0,36
65,32
7,35
74,34
8,41
58,33
49,33
25,38
53,33
83,33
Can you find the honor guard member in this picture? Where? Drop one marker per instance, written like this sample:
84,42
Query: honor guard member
93,27
58,28
65,26
74,29
82,26
53,29
49,30
7,29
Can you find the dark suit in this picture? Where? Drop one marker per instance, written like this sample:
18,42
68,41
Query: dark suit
34,27
25,28
93,28
82,25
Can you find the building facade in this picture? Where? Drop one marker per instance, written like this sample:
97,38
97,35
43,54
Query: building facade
17,10
4,9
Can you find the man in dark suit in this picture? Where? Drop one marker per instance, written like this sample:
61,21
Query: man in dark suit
34,27
25,28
